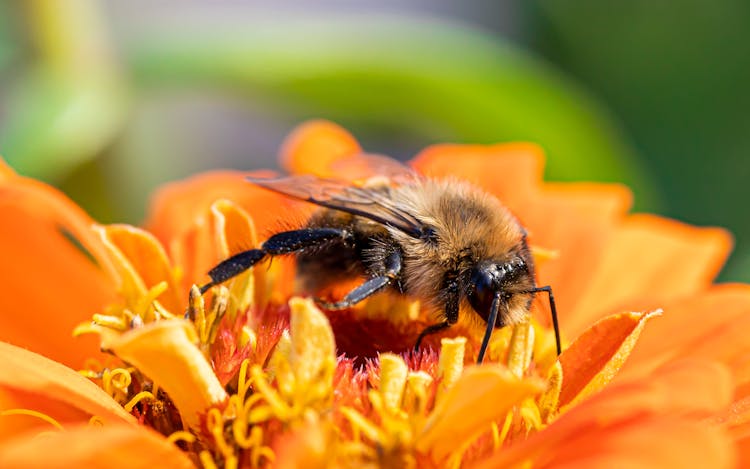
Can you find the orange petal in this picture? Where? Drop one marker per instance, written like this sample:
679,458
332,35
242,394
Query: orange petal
6,172
49,283
595,357
166,352
510,171
650,260
314,146
308,446
741,435
142,264
481,395
25,375
640,423
111,447
571,219
177,207
713,325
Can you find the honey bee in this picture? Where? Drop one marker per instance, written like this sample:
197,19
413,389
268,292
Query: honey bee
443,241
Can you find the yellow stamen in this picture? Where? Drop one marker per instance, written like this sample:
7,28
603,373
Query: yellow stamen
451,362
144,307
358,421
215,425
196,303
96,421
521,347
549,400
207,461
393,371
33,413
247,336
496,442
181,435
136,399
506,427
262,452
529,413
415,394
112,322
217,314
281,410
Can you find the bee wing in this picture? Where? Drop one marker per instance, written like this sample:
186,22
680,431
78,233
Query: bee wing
372,202
366,165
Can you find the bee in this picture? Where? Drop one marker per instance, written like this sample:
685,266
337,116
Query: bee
443,241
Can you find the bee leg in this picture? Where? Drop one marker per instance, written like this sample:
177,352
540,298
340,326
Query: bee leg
371,286
368,288
451,314
281,243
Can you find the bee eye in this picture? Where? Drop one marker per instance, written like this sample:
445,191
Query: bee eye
484,282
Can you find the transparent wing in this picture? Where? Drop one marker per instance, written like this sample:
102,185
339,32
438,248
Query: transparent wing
366,165
371,202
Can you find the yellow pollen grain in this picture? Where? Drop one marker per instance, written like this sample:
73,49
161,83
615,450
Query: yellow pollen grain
136,399
32,413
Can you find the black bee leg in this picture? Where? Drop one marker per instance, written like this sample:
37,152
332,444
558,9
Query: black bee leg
490,325
370,287
278,244
451,314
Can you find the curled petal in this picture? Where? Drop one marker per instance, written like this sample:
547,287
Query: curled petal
595,357
637,423
179,207
141,263
712,325
481,395
110,446
166,352
31,380
235,233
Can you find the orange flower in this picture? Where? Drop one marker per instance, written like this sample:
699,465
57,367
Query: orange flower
250,376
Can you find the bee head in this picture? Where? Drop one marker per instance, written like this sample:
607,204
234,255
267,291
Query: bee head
487,279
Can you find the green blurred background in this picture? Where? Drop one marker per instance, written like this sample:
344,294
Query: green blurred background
106,100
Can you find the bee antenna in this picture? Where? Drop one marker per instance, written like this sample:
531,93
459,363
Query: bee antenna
553,311
490,325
